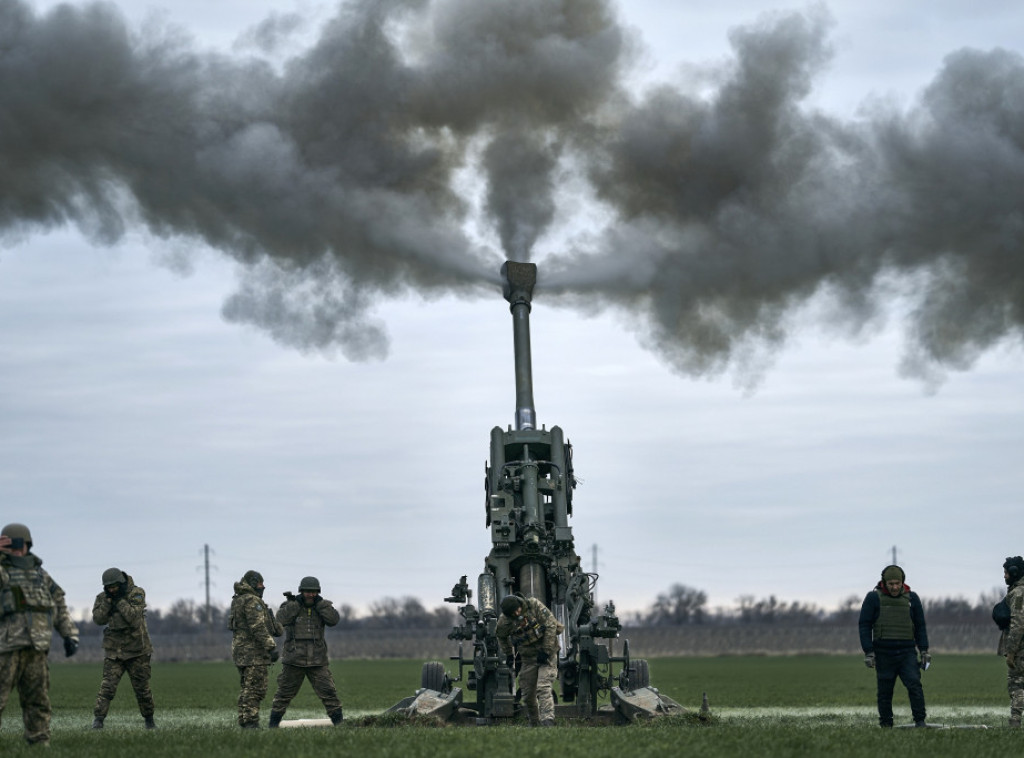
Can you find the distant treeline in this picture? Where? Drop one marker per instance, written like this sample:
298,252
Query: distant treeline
679,605
188,616
682,604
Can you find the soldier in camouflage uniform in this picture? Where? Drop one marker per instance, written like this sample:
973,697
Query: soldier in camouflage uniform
1011,641
121,607
528,627
31,607
305,650
252,647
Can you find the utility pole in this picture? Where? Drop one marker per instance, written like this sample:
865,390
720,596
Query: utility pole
894,561
206,573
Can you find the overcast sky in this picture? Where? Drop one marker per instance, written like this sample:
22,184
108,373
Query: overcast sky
248,299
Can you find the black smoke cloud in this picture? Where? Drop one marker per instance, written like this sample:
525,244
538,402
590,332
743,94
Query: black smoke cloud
362,168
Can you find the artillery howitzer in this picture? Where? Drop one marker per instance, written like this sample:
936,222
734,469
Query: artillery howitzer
529,487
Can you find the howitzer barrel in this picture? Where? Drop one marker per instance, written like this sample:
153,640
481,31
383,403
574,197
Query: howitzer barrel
518,280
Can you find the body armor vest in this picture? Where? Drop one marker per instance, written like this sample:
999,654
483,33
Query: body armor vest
529,632
24,590
894,622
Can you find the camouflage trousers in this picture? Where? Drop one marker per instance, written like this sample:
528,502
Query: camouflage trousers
1015,686
290,680
535,685
28,670
138,670
254,683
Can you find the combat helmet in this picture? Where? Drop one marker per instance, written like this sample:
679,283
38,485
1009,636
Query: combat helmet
18,530
309,584
113,576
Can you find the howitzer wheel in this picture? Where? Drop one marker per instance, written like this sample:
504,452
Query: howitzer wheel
433,676
639,674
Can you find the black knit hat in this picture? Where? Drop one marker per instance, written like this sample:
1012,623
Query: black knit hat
510,604
253,578
893,572
1014,567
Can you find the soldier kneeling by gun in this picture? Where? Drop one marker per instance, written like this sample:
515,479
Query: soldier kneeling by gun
530,628
305,650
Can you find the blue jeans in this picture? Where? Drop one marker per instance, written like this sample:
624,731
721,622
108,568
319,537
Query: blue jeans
901,663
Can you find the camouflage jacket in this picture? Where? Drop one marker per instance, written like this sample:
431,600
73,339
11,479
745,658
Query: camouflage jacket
254,628
534,631
1012,639
31,605
304,643
126,635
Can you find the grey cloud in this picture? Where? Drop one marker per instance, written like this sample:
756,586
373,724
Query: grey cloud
333,177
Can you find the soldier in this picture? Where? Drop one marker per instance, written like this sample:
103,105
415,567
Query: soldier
891,624
126,646
530,628
31,607
252,647
1011,641
305,650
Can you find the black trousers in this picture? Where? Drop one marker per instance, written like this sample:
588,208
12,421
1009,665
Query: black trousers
902,663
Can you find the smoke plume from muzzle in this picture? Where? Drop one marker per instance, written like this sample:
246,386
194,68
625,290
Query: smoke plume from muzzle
339,177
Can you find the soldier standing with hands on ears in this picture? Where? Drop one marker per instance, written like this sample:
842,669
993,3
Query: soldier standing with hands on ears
305,650
126,646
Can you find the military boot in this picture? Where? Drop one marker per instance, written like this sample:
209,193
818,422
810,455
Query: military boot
1014,723
336,717
97,723
150,724
275,719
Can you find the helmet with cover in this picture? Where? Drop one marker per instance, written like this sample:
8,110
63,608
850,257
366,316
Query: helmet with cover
18,531
113,576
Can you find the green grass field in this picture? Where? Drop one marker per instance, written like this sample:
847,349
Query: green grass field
765,706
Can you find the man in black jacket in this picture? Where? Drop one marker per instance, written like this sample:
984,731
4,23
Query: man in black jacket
891,627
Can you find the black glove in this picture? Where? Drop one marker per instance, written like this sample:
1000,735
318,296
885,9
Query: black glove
510,661
70,646
274,655
543,657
